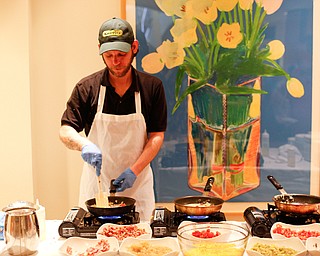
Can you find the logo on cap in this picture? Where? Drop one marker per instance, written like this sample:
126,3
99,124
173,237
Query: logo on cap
113,32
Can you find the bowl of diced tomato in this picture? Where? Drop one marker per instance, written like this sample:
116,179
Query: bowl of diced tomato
199,238
280,230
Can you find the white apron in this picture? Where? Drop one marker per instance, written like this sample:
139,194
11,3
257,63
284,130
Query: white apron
121,139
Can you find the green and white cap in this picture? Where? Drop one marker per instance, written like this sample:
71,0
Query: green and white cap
115,34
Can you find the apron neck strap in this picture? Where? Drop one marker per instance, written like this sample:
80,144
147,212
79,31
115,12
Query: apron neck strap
137,102
102,94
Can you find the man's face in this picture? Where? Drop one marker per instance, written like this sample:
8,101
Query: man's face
119,63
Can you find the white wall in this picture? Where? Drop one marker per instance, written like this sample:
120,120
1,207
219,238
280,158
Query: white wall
45,47
15,129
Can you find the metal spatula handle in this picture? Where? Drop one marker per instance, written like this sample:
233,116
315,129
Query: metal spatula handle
285,196
208,186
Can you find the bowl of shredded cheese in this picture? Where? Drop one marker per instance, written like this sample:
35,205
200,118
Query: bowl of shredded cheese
212,238
166,246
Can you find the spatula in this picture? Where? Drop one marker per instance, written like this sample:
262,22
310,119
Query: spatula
101,200
285,196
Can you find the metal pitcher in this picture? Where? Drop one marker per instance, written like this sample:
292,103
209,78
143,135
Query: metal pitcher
21,228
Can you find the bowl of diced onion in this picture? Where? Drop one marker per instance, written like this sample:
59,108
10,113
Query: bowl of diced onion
212,238
292,246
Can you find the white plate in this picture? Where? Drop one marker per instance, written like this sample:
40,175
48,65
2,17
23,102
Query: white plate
293,243
295,228
144,226
80,245
313,246
169,242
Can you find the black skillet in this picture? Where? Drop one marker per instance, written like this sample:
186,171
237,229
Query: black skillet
128,204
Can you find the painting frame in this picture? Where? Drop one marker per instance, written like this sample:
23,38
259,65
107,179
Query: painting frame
315,121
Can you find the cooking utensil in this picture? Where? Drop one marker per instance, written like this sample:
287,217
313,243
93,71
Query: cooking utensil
301,204
199,205
285,196
21,228
101,200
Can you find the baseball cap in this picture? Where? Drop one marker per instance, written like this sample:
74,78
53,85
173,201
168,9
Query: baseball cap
115,34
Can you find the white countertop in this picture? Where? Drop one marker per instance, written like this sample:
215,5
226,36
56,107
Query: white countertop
51,244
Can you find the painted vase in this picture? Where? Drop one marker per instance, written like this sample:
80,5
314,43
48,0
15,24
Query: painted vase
224,140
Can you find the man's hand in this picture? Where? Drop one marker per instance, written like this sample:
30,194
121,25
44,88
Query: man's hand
125,180
92,155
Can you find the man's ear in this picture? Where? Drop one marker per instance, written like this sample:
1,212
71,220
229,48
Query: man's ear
135,46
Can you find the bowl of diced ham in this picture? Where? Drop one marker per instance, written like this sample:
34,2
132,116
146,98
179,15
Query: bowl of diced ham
120,232
79,246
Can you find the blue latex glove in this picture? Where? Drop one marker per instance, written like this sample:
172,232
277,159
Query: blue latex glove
92,155
125,180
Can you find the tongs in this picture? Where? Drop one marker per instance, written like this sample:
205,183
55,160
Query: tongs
285,197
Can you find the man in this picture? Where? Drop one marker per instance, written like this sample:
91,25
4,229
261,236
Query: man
124,115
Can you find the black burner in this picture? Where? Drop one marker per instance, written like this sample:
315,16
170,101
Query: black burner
165,223
261,221
79,222
292,218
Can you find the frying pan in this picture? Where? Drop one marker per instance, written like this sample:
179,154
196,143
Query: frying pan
298,203
111,211
184,204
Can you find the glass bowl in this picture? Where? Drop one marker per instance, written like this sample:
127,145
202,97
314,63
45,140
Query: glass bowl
212,238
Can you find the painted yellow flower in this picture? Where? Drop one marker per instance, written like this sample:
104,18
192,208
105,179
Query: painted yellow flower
152,63
254,110
171,53
170,8
204,10
226,5
270,6
184,32
277,49
229,35
246,4
221,41
295,87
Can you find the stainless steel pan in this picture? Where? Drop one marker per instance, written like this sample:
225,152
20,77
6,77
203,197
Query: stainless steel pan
199,205
294,203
